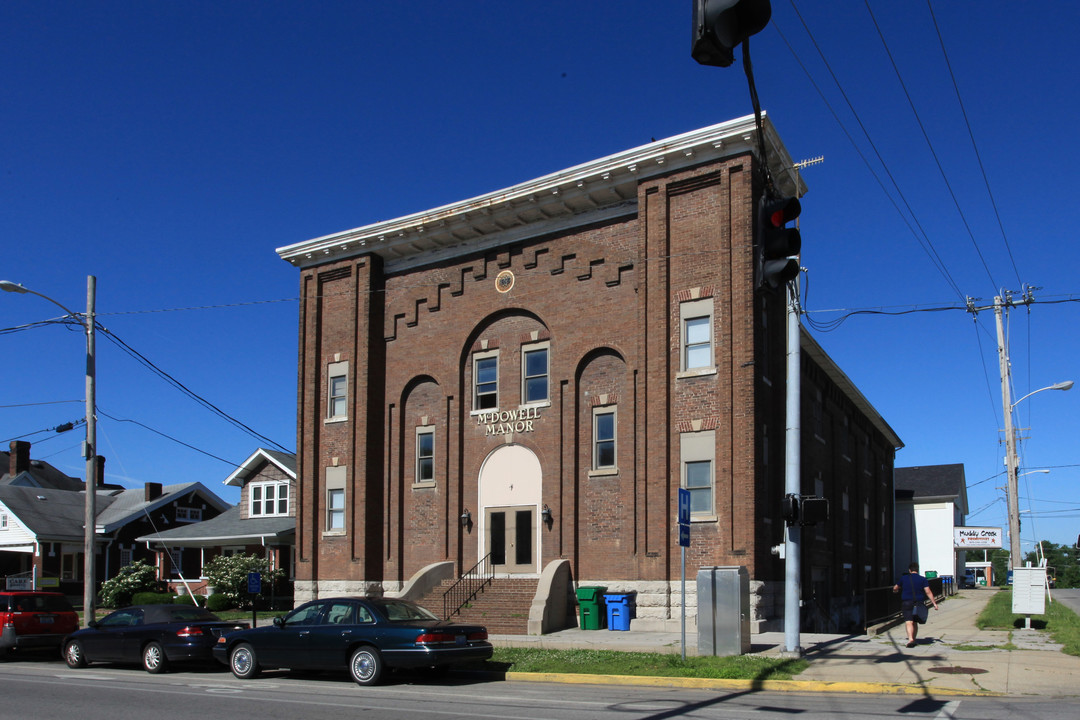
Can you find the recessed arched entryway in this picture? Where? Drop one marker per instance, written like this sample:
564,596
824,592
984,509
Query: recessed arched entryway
510,487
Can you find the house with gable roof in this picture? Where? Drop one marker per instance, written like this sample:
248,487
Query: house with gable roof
42,521
263,523
931,502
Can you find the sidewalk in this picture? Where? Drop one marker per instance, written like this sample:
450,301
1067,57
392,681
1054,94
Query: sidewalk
947,659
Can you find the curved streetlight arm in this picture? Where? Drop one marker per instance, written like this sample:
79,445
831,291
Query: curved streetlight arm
1064,385
8,286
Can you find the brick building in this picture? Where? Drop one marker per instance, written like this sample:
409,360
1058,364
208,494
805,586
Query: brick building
525,379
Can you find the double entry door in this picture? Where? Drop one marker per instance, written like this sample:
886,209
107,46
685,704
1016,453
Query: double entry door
511,533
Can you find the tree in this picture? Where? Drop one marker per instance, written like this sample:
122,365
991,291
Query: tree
228,574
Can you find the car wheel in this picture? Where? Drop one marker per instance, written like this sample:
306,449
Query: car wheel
242,662
74,656
153,658
366,665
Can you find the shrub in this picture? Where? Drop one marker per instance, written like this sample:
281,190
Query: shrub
136,577
218,602
152,598
229,575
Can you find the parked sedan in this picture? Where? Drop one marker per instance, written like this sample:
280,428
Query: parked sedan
365,635
155,635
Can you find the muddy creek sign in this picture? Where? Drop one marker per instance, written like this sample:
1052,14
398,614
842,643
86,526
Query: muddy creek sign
978,538
508,422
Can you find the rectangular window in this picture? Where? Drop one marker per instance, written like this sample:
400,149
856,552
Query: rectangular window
335,510
425,455
126,556
184,514
337,391
175,556
3,521
697,451
696,335
268,499
335,499
603,438
699,483
486,382
535,375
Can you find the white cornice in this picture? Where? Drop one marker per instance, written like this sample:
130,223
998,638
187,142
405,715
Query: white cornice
597,190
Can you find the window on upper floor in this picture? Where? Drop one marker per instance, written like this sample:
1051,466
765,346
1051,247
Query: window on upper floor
534,374
425,455
337,391
696,335
603,456
266,499
486,381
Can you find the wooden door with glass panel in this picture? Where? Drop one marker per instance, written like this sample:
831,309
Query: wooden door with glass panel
511,534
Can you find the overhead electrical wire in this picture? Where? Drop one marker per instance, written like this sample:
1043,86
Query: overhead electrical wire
974,145
930,144
924,241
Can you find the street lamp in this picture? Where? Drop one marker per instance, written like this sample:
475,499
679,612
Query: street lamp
89,451
1011,466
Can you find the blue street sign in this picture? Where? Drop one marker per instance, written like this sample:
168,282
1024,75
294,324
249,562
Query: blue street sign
254,583
684,506
684,535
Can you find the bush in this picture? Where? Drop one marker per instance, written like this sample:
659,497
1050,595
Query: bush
136,577
152,598
186,599
229,575
218,602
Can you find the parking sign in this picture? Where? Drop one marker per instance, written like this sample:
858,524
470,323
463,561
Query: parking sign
254,583
684,506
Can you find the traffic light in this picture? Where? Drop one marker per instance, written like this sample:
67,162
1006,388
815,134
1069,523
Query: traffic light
720,25
777,246
814,510
804,509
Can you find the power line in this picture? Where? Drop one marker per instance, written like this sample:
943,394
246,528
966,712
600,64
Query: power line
167,437
929,144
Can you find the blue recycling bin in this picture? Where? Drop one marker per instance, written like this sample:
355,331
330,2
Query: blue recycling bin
620,610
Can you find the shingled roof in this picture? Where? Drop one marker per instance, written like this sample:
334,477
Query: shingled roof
932,483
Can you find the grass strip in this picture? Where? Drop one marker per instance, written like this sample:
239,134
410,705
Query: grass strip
614,662
1061,622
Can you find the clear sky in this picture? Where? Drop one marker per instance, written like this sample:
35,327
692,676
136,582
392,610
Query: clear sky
169,148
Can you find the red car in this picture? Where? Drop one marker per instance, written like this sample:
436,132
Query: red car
31,619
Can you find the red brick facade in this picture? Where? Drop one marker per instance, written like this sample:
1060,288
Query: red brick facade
602,282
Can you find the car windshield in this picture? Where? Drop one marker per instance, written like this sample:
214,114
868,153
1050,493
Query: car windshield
400,611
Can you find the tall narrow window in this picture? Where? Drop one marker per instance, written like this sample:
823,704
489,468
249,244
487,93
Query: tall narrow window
696,341
335,510
604,438
697,451
337,390
335,499
486,382
425,455
535,375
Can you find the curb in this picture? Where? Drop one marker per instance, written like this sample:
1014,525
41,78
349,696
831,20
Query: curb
867,688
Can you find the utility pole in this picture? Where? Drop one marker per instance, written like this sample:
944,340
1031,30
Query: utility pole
90,453
1010,434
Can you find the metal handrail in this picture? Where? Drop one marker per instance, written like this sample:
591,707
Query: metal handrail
468,586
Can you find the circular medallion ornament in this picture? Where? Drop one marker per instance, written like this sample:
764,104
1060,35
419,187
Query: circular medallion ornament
504,281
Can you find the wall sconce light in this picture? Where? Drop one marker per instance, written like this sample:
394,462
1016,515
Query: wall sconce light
466,518
545,515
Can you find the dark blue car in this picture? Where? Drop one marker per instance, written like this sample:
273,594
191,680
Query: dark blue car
154,635
365,635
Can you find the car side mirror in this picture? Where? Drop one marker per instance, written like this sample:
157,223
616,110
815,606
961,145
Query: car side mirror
279,622
92,623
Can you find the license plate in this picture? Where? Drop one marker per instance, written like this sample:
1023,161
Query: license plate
46,620
460,639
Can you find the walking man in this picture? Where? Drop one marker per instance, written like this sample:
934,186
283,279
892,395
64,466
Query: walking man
912,586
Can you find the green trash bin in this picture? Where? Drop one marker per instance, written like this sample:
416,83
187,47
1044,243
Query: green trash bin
590,607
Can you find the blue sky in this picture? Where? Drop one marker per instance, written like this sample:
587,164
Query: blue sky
170,148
